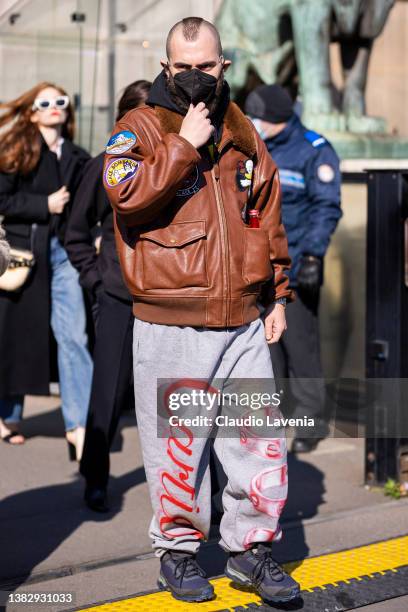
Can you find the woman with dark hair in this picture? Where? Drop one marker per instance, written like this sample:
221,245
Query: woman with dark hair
100,275
134,95
40,169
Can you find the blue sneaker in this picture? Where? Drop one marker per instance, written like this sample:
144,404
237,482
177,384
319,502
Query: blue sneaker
255,568
183,577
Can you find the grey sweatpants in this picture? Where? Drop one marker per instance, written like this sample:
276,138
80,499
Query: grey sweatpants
177,469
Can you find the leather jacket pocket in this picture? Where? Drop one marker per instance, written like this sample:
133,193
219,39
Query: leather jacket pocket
174,257
256,267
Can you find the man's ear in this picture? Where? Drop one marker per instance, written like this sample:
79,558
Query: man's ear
165,65
226,65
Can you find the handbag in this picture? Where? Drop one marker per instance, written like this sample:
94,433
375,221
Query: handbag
21,263
19,268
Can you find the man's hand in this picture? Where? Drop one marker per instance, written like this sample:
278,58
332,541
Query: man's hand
196,127
275,322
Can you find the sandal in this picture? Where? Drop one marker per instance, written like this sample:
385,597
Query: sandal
11,435
75,439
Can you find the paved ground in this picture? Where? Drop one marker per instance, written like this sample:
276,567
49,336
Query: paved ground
399,604
49,541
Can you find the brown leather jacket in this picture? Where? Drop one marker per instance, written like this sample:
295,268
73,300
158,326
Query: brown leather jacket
186,255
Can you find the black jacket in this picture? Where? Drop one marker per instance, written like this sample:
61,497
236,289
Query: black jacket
25,315
90,207
24,199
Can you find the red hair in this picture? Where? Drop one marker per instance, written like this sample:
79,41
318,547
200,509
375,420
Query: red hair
20,144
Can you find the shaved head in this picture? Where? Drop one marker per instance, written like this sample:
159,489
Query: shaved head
190,29
194,50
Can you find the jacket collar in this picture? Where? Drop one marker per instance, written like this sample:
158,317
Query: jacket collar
68,148
237,128
292,125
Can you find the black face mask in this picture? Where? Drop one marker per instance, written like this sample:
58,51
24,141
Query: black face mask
194,86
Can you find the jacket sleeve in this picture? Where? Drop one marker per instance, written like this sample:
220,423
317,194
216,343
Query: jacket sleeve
323,191
267,199
29,207
4,252
154,178
79,241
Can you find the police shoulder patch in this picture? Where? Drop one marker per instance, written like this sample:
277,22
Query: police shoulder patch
326,173
120,170
120,142
315,139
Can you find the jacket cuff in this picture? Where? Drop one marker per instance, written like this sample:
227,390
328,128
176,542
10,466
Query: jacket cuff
271,294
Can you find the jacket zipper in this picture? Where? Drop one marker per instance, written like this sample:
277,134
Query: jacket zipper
215,173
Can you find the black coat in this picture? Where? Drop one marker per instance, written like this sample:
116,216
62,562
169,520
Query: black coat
25,315
91,206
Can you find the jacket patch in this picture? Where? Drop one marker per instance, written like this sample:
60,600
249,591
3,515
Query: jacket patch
244,174
120,170
326,173
121,142
290,178
190,185
315,139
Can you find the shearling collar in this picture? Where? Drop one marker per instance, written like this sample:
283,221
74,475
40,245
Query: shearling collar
236,127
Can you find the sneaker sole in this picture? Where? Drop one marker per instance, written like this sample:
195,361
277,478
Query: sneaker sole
205,595
243,580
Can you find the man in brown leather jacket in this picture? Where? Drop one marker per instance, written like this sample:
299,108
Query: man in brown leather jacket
182,174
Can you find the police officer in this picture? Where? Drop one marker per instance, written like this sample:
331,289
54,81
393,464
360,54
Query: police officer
310,181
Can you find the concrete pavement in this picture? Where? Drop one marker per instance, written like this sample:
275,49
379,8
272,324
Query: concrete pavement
50,541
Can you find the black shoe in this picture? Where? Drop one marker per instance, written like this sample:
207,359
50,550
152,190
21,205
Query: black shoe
255,568
71,451
96,499
183,577
305,445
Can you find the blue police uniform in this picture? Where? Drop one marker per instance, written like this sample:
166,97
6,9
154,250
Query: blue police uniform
310,180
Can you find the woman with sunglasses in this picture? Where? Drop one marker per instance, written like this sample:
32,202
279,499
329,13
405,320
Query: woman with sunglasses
40,169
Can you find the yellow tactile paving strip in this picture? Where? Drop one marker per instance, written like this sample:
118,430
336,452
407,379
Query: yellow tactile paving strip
310,573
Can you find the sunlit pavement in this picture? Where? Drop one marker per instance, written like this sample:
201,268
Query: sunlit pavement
51,542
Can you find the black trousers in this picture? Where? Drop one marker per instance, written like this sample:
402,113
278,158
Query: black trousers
297,357
112,386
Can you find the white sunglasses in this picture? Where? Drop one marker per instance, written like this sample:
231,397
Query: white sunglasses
60,102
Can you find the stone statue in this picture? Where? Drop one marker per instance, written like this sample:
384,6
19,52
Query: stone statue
287,41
